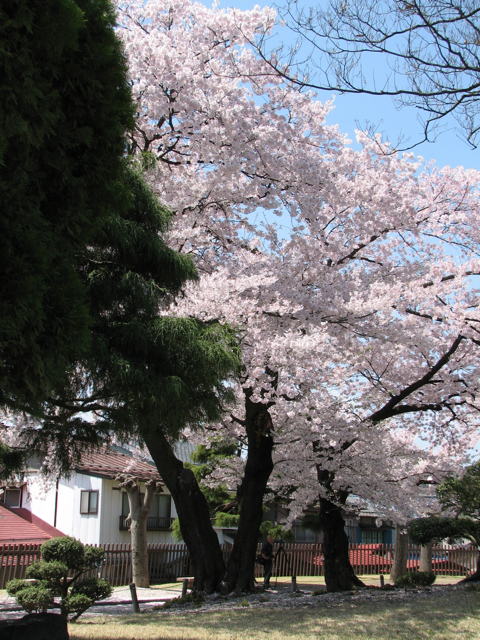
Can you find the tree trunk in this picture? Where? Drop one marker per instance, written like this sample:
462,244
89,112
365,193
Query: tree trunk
259,466
137,521
474,577
138,534
339,574
426,557
400,555
193,513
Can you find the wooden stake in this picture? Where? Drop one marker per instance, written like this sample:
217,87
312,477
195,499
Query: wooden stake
133,592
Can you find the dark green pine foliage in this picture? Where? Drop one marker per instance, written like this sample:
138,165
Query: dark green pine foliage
145,370
57,574
65,104
222,501
11,461
462,494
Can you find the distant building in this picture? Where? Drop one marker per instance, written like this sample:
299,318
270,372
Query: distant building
89,504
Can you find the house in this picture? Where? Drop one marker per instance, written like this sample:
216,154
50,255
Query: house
362,524
17,530
89,505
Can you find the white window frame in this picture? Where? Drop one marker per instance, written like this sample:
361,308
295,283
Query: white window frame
13,490
88,509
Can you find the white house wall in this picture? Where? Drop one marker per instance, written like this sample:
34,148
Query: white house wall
39,498
100,528
110,518
84,527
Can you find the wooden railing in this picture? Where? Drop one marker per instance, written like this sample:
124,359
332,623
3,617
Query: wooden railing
168,561
14,560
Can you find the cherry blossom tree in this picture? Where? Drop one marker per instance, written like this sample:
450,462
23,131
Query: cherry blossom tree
356,311
354,322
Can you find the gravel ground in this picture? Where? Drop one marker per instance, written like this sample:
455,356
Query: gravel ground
119,603
280,598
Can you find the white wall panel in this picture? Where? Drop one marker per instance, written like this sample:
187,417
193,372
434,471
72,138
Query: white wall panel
39,497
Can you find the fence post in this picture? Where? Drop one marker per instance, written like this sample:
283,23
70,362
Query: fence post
294,584
133,592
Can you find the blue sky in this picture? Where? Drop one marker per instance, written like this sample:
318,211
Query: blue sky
353,110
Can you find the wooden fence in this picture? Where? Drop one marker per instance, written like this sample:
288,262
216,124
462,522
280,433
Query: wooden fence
169,561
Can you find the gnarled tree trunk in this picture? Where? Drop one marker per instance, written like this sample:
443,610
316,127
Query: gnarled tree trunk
137,522
400,555
339,574
259,466
192,510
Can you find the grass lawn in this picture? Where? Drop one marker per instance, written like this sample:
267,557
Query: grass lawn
456,615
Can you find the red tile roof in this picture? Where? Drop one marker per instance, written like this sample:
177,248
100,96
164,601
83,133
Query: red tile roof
108,463
38,522
14,529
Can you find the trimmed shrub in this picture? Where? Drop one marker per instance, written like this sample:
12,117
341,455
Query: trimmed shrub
14,586
92,588
63,562
416,579
65,550
35,598
76,604
48,571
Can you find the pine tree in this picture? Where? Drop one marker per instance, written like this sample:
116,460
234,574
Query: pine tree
147,375
65,104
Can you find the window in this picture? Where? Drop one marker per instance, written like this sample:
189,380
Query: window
13,497
125,503
351,529
372,536
89,502
160,507
303,535
159,515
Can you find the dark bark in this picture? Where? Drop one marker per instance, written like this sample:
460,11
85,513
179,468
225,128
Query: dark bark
193,513
339,574
259,466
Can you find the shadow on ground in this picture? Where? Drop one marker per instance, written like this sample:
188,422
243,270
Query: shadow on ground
442,618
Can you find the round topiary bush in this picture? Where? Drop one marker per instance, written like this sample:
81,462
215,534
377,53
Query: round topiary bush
35,598
68,551
58,574
16,585
416,579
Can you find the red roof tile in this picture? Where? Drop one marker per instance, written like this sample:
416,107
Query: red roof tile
14,529
108,463
38,522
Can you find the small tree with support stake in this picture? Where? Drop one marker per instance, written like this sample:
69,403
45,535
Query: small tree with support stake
64,561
